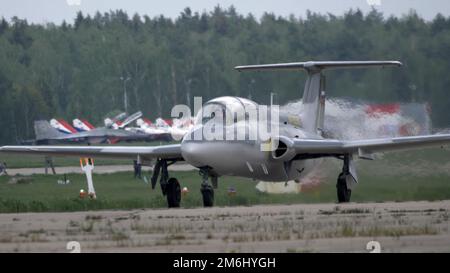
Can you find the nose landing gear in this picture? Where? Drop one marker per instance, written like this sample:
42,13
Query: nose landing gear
170,187
173,193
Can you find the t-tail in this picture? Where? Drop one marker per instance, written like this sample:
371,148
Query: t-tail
313,100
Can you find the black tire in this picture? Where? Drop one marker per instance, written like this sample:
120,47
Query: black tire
208,195
173,193
349,195
343,194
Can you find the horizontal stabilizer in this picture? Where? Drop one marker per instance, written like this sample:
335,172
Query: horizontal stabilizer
319,65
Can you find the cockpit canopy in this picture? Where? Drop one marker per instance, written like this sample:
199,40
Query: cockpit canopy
231,109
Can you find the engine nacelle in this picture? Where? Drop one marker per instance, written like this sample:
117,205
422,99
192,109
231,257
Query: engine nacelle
284,151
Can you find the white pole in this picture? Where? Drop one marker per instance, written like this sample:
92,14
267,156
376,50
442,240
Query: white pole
87,165
125,95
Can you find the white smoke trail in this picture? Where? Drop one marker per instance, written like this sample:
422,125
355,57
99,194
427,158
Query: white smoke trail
350,120
345,119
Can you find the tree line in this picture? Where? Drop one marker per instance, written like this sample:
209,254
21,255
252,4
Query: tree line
78,69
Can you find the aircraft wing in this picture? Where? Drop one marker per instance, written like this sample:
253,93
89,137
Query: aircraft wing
147,152
363,147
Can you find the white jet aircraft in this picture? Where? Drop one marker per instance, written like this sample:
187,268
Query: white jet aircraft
300,141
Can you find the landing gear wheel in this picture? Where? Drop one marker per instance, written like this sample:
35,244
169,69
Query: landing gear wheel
208,195
343,193
173,193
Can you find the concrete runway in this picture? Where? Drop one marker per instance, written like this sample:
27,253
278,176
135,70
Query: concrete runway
398,227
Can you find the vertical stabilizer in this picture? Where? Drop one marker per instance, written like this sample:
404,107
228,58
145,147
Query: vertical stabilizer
312,109
44,130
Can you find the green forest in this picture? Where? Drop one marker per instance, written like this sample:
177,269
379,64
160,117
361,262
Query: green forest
74,69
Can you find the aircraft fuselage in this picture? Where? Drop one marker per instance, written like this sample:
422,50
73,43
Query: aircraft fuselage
245,158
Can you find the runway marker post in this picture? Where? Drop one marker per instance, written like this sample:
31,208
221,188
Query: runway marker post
87,165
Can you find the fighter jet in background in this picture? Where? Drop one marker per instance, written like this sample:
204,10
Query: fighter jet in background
177,128
116,121
130,119
47,135
120,121
146,126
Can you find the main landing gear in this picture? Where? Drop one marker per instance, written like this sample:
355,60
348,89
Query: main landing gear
207,189
343,192
170,187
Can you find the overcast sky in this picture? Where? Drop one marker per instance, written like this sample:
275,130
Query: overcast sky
41,11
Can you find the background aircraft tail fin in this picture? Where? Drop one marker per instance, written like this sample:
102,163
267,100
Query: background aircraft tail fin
44,130
88,124
62,126
82,125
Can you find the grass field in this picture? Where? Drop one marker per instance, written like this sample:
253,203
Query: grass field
406,176
36,161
